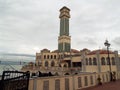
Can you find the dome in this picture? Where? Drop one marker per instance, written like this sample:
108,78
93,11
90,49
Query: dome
45,50
55,51
75,51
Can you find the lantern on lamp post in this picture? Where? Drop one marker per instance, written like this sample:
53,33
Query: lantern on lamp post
107,44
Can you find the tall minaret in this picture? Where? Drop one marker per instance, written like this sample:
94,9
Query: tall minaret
64,40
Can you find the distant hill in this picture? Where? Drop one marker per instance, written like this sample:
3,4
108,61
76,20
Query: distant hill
16,57
15,54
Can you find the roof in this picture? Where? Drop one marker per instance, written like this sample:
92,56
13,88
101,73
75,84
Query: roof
72,50
100,52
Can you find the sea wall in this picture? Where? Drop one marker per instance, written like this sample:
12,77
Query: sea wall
70,82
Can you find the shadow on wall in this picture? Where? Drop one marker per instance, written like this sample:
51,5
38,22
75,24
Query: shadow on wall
39,74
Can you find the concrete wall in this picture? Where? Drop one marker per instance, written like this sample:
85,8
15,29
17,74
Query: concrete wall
71,82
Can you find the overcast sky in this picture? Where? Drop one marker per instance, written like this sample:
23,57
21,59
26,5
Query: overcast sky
27,26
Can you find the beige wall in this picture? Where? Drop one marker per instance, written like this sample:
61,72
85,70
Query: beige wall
103,68
73,81
91,68
76,59
42,60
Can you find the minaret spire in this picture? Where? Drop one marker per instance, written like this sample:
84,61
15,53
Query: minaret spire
64,39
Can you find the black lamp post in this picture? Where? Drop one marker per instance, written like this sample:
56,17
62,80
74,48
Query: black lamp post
107,44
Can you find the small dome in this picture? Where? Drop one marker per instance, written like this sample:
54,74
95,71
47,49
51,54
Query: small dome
75,51
55,51
45,50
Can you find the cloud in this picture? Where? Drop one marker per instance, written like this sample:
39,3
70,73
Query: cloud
116,41
85,42
97,16
26,24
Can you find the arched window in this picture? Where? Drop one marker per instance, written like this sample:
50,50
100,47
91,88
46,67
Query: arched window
86,81
51,56
106,77
108,60
44,56
52,64
90,61
65,65
94,61
86,61
91,80
61,56
79,82
113,61
47,56
54,56
103,78
59,65
46,63
57,83
102,61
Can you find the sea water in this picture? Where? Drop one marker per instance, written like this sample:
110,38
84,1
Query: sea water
10,62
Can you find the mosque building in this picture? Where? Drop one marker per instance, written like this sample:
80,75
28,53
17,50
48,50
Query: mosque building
67,60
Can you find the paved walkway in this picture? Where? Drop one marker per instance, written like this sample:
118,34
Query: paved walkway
107,86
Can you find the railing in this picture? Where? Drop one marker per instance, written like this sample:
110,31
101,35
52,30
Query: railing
8,68
14,80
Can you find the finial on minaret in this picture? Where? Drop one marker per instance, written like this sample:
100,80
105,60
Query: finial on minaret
64,12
